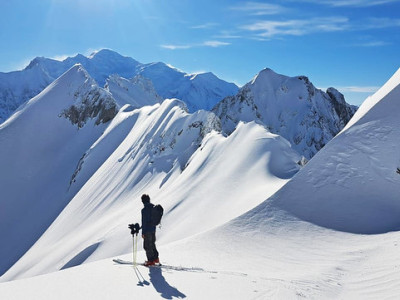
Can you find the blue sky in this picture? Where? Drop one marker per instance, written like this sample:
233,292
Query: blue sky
352,45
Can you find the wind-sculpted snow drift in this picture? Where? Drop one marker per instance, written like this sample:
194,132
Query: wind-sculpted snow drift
77,188
289,106
351,184
182,160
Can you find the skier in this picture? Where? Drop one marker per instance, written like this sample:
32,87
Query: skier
149,232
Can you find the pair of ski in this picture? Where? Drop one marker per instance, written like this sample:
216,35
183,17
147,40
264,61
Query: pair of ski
126,262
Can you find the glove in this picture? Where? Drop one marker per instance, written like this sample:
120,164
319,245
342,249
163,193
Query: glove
134,228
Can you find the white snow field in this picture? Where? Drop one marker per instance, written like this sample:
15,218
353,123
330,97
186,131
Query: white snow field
236,226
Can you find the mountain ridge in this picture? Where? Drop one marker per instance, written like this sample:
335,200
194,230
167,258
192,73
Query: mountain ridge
289,106
18,87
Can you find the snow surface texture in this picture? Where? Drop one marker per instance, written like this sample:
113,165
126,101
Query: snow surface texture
289,106
40,147
172,155
201,91
217,220
352,184
265,253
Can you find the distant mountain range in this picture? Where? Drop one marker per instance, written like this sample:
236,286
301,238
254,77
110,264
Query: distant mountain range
198,91
289,106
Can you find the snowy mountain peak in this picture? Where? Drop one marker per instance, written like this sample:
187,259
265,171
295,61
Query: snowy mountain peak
109,58
289,106
35,62
203,92
105,54
90,101
265,76
75,76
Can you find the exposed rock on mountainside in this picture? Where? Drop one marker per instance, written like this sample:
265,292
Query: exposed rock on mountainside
90,102
289,106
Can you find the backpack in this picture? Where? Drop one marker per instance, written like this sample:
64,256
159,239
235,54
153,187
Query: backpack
156,214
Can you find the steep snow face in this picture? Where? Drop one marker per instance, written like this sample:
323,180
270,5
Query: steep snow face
137,92
199,91
182,161
289,106
40,146
353,184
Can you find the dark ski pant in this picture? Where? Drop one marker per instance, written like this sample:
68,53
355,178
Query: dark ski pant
149,245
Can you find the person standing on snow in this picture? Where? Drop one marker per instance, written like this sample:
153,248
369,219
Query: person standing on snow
149,232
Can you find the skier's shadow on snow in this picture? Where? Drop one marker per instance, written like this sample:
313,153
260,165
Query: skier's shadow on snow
162,286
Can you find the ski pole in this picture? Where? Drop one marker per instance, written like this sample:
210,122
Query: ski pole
136,242
134,250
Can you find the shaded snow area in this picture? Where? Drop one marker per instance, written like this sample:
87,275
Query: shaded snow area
242,219
39,150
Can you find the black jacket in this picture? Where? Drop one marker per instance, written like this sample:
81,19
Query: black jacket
147,226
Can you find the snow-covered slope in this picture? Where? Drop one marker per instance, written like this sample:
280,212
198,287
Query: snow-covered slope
352,184
137,92
274,250
289,106
198,91
40,147
236,262
182,161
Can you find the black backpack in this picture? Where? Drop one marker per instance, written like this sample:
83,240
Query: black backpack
156,214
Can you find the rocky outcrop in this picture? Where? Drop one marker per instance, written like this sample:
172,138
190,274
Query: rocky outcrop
92,105
90,101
